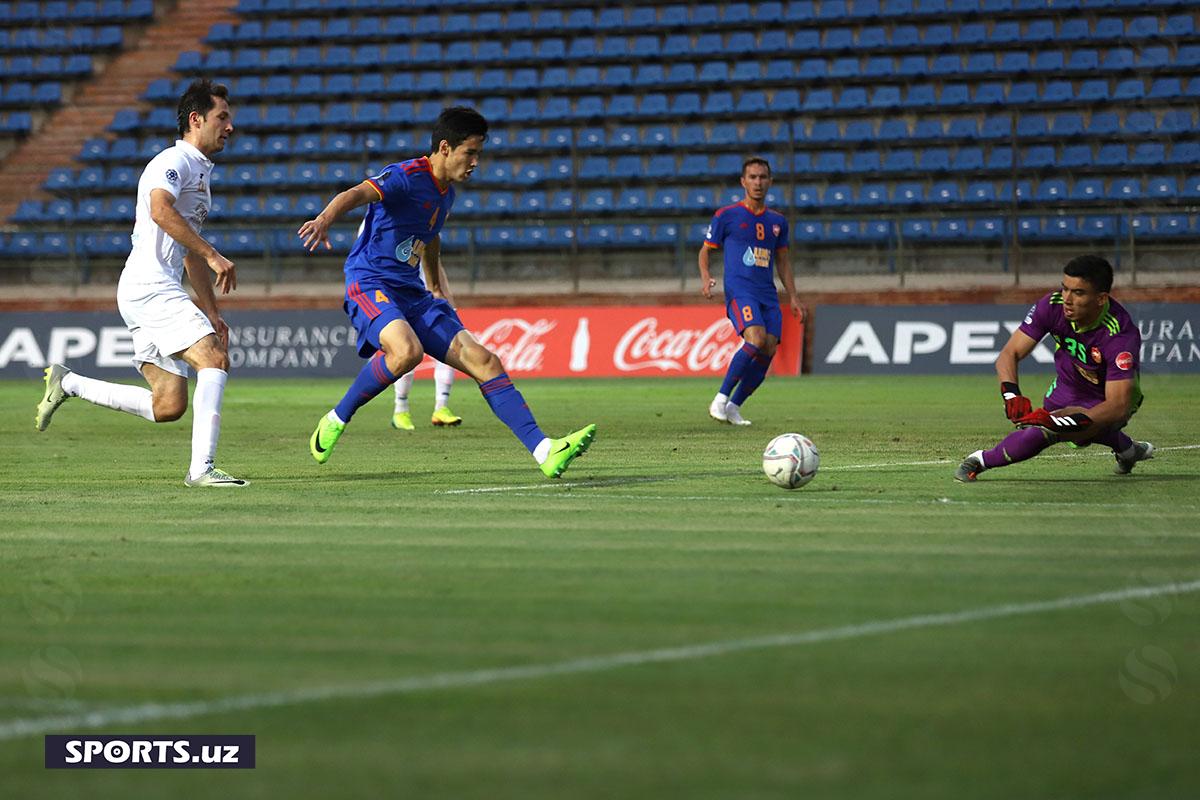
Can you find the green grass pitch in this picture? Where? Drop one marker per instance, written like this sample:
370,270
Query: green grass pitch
389,598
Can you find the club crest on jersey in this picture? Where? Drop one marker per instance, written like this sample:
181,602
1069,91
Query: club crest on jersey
172,176
775,229
1124,360
1095,352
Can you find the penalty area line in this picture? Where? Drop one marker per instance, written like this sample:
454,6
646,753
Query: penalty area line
153,712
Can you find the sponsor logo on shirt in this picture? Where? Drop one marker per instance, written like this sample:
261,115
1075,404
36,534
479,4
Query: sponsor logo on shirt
1124,360
409,251
1029,315
1087,374
757,257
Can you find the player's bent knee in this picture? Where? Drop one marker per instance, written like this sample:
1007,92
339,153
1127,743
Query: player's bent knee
169,409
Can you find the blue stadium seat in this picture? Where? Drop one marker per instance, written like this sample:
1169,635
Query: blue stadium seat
1125,189
806,196
1086,190
1184,153
908,193
983,192
1075,156
872,194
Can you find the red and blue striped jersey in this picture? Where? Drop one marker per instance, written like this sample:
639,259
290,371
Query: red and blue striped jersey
749,242
411,210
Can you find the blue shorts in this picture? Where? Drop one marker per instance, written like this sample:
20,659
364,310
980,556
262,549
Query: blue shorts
372,306
746,310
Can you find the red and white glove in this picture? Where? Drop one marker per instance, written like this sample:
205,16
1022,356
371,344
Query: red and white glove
1055,423
1016,405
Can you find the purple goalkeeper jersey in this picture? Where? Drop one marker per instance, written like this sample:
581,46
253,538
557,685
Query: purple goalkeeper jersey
1086,359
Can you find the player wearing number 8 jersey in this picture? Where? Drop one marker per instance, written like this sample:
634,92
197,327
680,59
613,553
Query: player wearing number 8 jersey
754,239
1096,388
399,319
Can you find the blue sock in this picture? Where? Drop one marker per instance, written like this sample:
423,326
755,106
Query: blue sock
509,406
751,378
372,379
737,367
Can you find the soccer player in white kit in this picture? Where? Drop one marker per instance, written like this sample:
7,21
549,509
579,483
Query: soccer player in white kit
170,331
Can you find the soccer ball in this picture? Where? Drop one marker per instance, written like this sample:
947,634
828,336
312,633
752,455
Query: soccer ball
791,460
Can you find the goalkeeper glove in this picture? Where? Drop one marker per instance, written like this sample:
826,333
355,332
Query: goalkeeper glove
1055,423
1016,405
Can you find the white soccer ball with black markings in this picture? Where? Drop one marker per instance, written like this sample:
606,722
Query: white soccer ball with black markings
791,460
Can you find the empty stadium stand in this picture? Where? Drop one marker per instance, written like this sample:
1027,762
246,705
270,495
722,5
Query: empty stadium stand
889,123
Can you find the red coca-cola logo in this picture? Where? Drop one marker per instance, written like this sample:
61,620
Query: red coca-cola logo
1124,359
517,342
644,346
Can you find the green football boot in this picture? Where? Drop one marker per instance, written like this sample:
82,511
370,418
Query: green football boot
565,450
53,397
402,421
324,438
443,416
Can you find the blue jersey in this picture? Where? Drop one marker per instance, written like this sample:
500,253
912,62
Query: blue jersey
750,242
410,211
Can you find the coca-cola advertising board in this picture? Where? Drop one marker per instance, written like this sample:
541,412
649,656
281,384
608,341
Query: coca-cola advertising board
557,342
607,341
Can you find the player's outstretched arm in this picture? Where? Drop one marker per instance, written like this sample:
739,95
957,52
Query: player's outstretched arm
316,231
165,216
707,282
783,268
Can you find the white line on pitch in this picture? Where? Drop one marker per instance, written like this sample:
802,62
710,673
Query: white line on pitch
550,487
153,712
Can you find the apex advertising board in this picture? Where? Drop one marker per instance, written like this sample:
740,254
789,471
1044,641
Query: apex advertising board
593,341
967,338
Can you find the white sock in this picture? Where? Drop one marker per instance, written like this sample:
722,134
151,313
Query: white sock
721,398
732,407
541,452
443,378
134,400
333,417
403,387
206,418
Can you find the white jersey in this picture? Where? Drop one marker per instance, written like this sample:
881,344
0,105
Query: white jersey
186,173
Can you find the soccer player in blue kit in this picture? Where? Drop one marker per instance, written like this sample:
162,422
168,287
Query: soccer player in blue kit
755,240
397,318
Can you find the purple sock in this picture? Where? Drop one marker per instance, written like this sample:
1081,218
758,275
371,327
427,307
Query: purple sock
1018,446
508,404
737,367
1119,441
752,378
372,379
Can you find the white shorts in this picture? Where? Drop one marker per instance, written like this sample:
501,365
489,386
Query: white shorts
164,321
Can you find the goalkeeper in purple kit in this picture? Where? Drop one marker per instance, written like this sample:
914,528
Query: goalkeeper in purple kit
1096,389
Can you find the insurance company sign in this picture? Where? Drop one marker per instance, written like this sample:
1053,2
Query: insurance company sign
967,338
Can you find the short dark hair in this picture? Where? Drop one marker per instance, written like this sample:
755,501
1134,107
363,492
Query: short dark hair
755,160
455,125
199,98
1094,269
